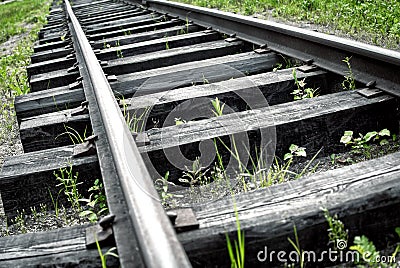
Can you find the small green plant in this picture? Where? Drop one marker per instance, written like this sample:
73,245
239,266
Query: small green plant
362,144
43,209
97,202
338,235
289,62
179,121
187,23
186,29
218,107
366,249
278,66
136,120
205,80
333,158
396,251
166,43
218,174
263,175
103,257
297,247
69,182
162,185
34,213
348,82
55,202
295,150
218,111
119,54
106,45
368,254
237,257
260,175
19,221
119,51
195,174
302,92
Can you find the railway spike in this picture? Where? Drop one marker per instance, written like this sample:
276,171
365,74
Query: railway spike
87,148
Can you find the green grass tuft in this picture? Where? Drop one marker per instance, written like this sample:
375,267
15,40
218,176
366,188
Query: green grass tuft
27,17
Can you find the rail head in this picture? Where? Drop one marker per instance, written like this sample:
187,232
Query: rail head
156,236
368,62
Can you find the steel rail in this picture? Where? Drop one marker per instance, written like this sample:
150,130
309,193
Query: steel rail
369,63
156,237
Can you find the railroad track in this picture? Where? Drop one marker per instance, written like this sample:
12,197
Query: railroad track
160,66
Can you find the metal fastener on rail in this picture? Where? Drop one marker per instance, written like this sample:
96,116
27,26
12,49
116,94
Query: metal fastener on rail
263,49
83,109
70,56
141,138
86,148
231,38
371,84
103,63
75,85
370,92
112,78
73,68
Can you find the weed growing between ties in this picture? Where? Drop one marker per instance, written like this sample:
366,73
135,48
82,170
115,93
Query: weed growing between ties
74,135
296,245
39,219
236,252
103,256
68,207
370,256
93,207
286,63
207,183
162,185
303,92
366,254
204,183
349,82
371,145
336,230
135,119
96,204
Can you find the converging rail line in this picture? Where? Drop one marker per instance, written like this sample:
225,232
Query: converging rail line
130,92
